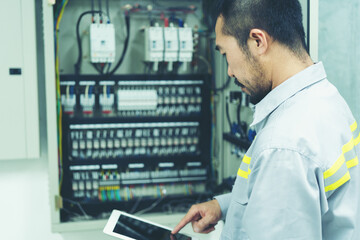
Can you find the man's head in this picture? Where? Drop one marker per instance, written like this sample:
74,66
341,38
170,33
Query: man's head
281,19
252,34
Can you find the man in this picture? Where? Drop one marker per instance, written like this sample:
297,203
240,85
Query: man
300,177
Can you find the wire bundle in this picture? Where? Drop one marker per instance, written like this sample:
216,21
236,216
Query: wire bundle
58,16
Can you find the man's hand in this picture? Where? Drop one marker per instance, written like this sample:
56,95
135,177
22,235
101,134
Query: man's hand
203,216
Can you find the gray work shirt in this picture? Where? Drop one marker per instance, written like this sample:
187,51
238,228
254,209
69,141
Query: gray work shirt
300,178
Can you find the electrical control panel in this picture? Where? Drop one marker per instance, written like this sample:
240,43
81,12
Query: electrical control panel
130,140
133,122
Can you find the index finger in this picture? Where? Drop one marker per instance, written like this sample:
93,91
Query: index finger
185,220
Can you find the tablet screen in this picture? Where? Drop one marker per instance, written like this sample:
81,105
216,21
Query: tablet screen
140,230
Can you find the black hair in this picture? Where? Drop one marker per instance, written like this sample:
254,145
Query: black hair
281,19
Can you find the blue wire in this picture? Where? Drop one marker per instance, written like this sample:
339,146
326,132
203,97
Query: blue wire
181,22
108,91
90,91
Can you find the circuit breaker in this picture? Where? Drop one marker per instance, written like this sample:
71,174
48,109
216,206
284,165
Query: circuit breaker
186,45
171,48
102,42
154,44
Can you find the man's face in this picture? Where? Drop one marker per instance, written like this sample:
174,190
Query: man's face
247,70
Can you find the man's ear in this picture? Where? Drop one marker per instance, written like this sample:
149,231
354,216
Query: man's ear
258,42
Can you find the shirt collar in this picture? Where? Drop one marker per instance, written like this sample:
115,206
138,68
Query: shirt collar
288,88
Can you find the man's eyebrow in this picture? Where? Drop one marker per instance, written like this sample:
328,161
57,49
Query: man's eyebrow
217,48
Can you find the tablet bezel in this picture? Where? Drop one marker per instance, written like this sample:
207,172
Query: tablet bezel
113,219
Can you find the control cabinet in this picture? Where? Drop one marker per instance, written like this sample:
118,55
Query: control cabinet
152,142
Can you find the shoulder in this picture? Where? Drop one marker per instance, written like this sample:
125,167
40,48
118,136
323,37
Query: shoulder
313,123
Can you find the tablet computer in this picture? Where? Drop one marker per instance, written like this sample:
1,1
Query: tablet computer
129,227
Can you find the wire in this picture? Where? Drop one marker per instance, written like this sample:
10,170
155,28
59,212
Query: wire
223,87
240,125
79,206
104,91
68,91
108,67
100,11
127,23
96,67
87,91
135,205
151,207
58,18
92,9
209,70
78,63
107,10
239,111
227,112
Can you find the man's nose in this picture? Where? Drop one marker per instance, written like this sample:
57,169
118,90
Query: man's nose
230,73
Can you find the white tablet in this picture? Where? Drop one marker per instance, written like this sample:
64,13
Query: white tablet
129,227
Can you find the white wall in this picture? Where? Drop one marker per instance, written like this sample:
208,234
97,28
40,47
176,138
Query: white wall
339,49
25,212
24,204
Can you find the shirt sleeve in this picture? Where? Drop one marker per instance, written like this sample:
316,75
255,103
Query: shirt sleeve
224,202
283,197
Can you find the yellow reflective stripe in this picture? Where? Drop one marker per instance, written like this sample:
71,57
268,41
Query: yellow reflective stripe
340,161
243,174
335,167
246,159
357,140
339,182
353,126
347,147
352,163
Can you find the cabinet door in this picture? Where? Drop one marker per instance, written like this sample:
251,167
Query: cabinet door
19,126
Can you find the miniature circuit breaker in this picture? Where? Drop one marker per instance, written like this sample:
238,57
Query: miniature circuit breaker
68,98
102,43
154,45
106,98
186,47
171,40
87,97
